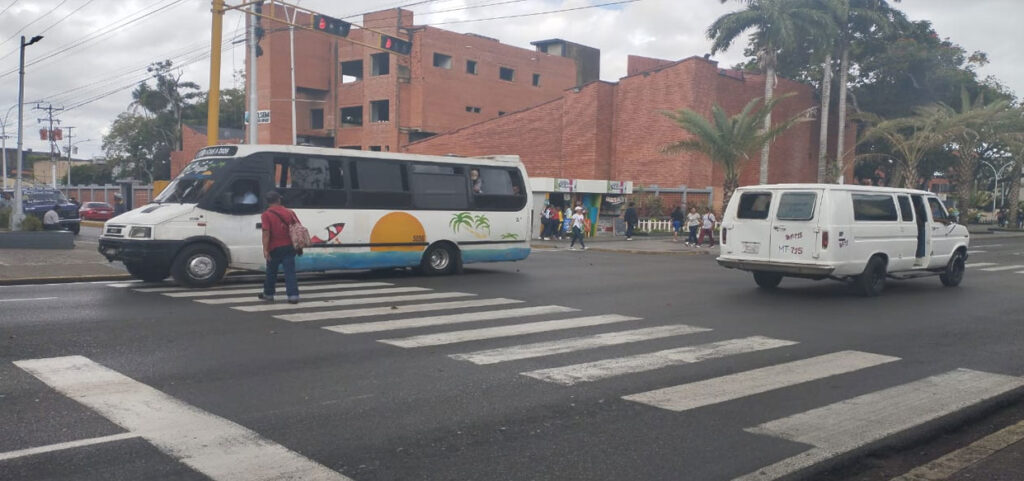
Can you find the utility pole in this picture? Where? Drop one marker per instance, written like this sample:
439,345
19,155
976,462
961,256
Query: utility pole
69,154
50,109
254,25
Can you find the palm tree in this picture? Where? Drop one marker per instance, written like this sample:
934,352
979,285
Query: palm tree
1013,138
976,128
729,141
778,25
909,140
857,18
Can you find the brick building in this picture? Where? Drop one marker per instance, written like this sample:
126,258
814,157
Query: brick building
615,131
353,96
193,139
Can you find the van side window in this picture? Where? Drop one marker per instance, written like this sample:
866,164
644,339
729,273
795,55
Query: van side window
754,205
440,187
796,206
938,211
874,207
311,182
496,188
906,211
379,184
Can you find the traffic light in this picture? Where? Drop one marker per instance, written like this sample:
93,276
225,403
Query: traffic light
333,26
396,45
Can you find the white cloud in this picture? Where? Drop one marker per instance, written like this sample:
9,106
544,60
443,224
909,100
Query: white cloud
670,29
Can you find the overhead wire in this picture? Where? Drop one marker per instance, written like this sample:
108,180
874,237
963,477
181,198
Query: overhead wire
23,27
8,7
8,54
536,13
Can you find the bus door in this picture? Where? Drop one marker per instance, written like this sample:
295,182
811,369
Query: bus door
235,219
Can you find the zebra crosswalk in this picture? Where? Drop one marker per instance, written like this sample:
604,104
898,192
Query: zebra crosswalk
412,317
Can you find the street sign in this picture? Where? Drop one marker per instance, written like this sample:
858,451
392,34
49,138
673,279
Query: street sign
262,116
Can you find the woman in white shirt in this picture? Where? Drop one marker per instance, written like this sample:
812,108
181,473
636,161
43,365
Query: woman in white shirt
577,229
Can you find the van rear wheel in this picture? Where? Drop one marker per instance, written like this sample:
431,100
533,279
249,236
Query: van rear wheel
767,280
954,272
872,282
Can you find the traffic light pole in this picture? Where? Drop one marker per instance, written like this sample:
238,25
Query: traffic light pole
252,77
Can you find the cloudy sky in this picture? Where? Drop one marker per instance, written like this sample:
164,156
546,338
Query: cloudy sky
95,51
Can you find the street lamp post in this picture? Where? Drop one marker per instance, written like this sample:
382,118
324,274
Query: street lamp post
3,142
71,146
995,187
19,212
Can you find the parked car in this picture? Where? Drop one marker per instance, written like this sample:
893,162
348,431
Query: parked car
36,201
96,211
858,234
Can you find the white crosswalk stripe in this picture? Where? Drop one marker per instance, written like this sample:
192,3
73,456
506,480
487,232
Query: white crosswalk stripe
547,348
401,309
505,331
317,295
847,425
748,383
226,286
1003,268
979,264
253,290
266,307
447,319
597,370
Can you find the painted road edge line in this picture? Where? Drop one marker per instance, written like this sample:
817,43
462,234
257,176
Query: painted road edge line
219,448
965,457
68,445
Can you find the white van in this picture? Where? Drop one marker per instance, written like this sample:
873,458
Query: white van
843,232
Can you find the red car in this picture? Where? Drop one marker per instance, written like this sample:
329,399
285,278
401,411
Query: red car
96,211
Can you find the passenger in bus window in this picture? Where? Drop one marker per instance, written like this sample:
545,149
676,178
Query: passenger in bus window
478,184
310,174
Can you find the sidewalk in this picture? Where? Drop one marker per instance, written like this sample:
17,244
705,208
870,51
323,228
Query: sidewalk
40,266
656,244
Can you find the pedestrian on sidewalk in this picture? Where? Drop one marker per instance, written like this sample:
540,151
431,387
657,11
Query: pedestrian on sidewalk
566,227
119,207
707,228
1020,218
577,229
545,221
678,217
692,224
631,219
278,248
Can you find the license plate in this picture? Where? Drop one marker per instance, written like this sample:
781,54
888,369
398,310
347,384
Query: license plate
751,247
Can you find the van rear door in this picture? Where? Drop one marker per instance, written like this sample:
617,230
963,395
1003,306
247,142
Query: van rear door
747,228
794,230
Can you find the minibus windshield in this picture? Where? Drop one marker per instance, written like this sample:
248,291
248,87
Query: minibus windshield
193,182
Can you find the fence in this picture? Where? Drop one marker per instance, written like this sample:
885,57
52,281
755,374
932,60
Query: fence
654,225
654,201
141,194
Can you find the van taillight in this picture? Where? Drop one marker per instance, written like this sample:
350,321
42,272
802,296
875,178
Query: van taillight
724,230
824,239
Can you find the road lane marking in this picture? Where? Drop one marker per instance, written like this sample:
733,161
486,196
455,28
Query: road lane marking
28,299
316,295
258,289
505,331
547,348
212,445
593,371
381,311
124,284
976,252
734,386
62,446
447,319
979,264
965,457
232,285
282,306
847,425
1003,268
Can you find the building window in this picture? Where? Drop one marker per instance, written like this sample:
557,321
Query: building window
352,116
374,148
380,64
443,61
379,110
351,71
500,113
472,109
350,147
536,80
506,73
471,67
316,119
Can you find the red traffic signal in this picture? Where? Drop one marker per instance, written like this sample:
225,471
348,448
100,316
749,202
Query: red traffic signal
396,45
331,25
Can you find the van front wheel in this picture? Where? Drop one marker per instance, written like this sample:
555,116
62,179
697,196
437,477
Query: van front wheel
872,282
199,265
767,280
954,272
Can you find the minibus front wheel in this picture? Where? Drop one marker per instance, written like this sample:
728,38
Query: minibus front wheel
147,272
199,265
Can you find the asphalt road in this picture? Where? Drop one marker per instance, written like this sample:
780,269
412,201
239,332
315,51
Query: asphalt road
808,378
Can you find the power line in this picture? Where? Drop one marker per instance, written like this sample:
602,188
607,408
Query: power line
22,29
536,13
468,7
8,7
8,54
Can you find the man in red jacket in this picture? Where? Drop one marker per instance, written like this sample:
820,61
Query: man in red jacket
278,249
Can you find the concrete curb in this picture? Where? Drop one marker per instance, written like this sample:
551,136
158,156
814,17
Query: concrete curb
625,251
24,281
92,223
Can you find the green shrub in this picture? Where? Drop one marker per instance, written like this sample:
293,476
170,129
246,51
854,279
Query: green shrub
31,223
5,217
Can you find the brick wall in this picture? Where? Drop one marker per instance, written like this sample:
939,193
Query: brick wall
192,141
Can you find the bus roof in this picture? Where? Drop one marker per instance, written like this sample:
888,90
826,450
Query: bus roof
242,150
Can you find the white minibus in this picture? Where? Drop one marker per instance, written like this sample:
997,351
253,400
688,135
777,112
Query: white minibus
364,210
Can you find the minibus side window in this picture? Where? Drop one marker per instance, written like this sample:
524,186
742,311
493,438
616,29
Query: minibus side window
380,184
496,188
438,187
906,211
311,182
874,207
796,206
754,205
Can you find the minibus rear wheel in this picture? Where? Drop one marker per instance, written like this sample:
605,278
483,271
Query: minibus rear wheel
439,259
199,265
767,280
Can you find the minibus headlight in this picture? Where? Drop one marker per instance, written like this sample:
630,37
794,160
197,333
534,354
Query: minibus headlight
141,232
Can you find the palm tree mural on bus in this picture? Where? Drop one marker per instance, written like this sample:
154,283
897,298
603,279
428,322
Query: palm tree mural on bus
478,225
